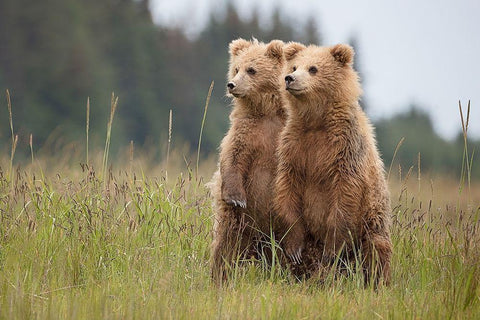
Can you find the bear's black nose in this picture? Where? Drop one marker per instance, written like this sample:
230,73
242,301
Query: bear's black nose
230,85
289,79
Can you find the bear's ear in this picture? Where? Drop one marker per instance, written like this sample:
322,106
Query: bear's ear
342,53
238,45
275,49
291,49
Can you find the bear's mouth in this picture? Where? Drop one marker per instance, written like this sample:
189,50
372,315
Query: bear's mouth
237,94
294,91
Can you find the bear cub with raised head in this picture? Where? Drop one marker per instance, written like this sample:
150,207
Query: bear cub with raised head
330,187
242,187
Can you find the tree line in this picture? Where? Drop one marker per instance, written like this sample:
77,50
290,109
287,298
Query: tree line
56,53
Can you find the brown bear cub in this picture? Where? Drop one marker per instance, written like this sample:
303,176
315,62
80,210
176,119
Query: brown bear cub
243,185
330,186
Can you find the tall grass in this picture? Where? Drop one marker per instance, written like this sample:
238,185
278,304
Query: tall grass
207,102
30,143
87,129
72,248
170,126
399,144
14,137
113,108
69,248
467,160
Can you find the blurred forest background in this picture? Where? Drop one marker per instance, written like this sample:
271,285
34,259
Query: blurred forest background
56,53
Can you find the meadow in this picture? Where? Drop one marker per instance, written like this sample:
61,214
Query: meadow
85,237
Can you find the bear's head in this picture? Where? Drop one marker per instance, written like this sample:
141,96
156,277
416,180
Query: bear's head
321,73
255,68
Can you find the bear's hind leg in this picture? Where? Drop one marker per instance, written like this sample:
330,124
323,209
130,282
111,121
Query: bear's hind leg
377,252
232,241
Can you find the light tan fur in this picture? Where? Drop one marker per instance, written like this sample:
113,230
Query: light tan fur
243,185
330,185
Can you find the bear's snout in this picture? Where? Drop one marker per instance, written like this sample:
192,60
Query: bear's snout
289,79
230,86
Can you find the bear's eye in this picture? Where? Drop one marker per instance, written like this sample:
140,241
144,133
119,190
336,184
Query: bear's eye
294,68
313,70
251,71
236,70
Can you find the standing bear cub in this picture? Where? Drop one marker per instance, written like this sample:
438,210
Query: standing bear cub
243,185
330,187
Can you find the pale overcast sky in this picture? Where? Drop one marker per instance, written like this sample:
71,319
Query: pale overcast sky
412,51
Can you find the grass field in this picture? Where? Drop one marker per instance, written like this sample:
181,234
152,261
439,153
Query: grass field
136,245
129,241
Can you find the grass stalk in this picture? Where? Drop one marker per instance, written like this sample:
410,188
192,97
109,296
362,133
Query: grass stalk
14,145
419,172
394,155
131,158
31,147
113,108
87,125
170,124
203,124
466,162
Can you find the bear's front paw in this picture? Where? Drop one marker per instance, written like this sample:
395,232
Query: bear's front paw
294,246
237,199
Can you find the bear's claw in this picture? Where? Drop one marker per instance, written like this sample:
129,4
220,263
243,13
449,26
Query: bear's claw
238,203
297,256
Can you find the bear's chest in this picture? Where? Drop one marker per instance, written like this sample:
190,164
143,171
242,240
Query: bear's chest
264,136
311,153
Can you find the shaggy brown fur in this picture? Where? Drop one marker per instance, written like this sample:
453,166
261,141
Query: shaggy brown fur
330,185
243,186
